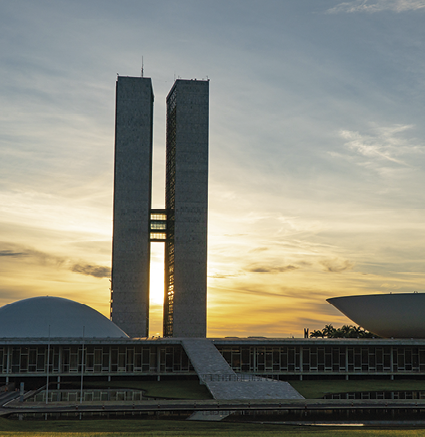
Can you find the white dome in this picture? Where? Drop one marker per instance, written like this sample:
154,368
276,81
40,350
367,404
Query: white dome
66,318
399,315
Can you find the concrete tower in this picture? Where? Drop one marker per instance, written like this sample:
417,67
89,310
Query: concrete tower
187,209
132,204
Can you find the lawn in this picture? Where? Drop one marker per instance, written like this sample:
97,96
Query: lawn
191,389
185,389
317,389
105,428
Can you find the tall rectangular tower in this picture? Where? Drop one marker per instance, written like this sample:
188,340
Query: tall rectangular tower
132,204
185,302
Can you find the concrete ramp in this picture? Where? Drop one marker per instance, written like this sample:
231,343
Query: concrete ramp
223,383
251,387
205,358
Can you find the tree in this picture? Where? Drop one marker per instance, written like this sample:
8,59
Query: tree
346,331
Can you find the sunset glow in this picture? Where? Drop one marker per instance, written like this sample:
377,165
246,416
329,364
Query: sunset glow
317,148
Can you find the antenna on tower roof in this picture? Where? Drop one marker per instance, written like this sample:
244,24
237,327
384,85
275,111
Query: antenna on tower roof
142,68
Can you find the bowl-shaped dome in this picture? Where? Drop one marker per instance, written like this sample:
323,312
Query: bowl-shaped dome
386,315
36,316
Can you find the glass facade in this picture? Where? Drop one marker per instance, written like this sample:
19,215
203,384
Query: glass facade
141,358
98,359
326,359
170,207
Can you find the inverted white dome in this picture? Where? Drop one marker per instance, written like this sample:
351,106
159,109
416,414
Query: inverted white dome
66,318
398,315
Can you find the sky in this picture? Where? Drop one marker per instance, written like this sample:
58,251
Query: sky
317,149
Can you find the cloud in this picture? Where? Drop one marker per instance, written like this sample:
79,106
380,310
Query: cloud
258,249
382,143
304,263
241,289
221,276
43,258
377,6
263,269
18,251
12,253
308,295
91,270
336,265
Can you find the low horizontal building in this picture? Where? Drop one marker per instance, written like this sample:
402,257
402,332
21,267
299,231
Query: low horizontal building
281,358
107,353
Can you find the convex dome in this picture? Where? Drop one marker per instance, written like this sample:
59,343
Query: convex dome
31,318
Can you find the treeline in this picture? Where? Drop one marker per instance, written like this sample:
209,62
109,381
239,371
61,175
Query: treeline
346,331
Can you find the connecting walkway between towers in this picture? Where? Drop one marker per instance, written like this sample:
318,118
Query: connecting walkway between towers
223,383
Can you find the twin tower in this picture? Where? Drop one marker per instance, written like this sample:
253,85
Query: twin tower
182,225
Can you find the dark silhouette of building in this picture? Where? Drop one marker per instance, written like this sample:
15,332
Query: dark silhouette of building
182,224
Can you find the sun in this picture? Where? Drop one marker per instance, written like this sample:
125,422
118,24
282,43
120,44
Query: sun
157,274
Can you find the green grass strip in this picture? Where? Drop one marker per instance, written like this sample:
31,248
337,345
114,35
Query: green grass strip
317,389
185,389
104,428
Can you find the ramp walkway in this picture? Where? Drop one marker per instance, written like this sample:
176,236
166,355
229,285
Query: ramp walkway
205,358
251,387
223,383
